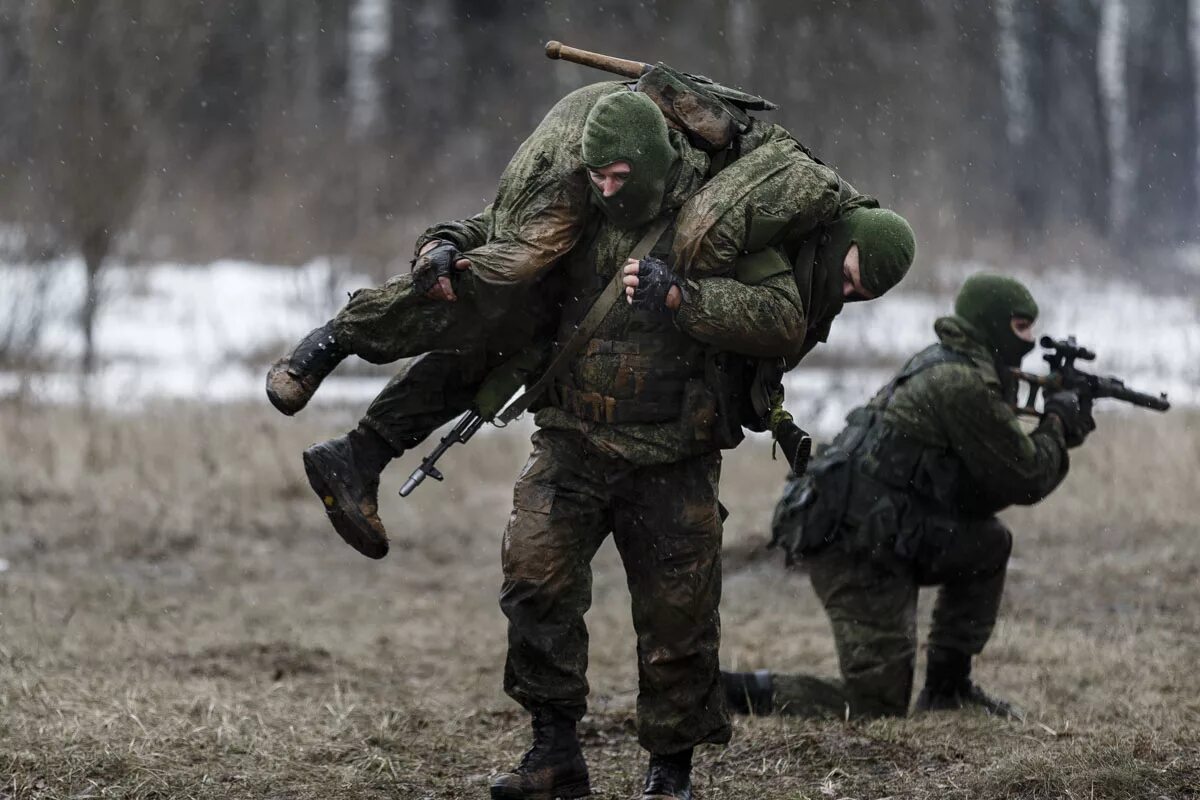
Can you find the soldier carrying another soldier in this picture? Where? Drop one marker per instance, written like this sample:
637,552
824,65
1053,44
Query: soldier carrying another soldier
636,403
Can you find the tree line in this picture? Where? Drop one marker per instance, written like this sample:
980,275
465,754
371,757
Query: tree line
284,129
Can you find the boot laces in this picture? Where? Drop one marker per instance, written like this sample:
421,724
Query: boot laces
545,740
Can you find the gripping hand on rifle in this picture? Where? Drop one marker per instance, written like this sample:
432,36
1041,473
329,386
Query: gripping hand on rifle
1074,412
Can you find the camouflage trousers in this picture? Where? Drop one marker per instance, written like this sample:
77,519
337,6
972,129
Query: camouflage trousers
446,350
427,392
666,524
385,323
872,606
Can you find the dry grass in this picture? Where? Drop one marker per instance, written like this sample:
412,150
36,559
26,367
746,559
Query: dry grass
176,621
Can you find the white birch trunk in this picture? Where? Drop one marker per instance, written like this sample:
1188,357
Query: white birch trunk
1194,42
740,28
1014,74
370,27
1110,61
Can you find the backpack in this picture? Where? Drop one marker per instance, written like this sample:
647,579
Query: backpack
810,515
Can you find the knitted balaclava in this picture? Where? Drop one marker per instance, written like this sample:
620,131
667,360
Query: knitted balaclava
627,126
886,246
988,302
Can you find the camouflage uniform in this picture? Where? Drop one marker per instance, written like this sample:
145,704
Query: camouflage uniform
626,446
768,204
923,486
774,192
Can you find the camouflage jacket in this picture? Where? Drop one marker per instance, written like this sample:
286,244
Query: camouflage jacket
963,409
771,192
750,306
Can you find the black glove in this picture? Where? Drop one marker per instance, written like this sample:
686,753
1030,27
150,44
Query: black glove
1076,416
435,263
655,279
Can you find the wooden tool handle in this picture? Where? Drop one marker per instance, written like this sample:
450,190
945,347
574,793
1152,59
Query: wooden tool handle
618,66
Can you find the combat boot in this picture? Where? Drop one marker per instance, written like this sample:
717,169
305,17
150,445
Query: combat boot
948,687
553,767
344,472
669,777
749,692
293,379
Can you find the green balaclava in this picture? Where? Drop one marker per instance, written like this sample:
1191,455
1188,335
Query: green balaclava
988,302
886,246
627,126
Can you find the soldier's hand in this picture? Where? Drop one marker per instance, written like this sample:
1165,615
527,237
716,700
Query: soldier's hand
1076,416
433,266
639,289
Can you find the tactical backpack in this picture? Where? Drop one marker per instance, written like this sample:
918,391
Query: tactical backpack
866,464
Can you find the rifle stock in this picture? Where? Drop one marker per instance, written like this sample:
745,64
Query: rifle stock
624,67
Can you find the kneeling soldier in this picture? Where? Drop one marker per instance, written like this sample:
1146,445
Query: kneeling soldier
905,497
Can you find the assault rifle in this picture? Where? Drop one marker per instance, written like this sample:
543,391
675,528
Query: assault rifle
1064,375
466,427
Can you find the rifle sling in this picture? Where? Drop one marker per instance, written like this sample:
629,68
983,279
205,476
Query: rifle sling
613,291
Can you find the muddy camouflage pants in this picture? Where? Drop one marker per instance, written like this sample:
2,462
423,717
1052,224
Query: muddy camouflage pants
872,606
667,527
447,350
385,323
426,393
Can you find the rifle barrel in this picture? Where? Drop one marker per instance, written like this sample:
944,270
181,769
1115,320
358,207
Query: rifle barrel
1108,387
463,430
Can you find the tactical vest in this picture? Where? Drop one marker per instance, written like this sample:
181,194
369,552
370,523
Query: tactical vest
871,482
648,371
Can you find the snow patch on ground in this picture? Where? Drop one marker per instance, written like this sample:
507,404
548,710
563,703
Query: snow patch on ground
208,332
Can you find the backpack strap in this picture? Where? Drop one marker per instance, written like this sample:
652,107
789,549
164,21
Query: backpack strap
613,291
931,356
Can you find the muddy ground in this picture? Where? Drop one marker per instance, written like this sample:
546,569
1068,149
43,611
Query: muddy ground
176,621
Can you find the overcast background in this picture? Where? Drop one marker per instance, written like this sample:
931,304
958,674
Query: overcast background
142,142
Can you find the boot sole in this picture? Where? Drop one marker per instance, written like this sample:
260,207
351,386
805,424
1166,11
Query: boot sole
340,508
567,792
278,372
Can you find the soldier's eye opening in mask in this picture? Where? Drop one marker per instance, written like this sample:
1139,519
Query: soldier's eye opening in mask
1023,328
852,287
609,180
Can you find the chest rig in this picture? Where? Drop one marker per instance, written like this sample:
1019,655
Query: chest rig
637,366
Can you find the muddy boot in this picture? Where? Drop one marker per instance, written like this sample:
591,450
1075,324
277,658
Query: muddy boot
948,687
344,472
669,777
293,379
749,692
552,767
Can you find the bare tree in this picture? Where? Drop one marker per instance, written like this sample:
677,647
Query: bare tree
102,75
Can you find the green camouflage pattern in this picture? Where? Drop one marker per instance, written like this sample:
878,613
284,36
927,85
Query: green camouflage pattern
542,211
543,200
765,320
872,607
427,392
896,539
755,320
818,271
666,524
385,323
768,194
965,409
